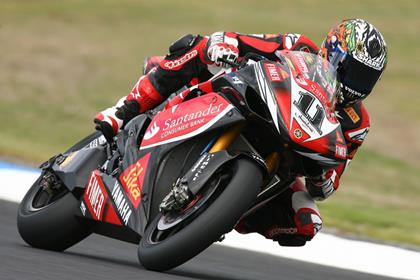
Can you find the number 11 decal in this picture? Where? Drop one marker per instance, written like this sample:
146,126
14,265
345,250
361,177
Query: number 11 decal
304,104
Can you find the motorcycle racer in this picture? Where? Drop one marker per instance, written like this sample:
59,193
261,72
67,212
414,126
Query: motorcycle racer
355,47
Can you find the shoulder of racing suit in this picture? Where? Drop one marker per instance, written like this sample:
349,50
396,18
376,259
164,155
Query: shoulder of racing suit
355,125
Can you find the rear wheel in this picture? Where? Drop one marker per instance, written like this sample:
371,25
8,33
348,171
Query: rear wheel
46,216
174,238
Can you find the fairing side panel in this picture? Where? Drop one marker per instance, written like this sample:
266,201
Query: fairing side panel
131,199
185,120
106,202
172,154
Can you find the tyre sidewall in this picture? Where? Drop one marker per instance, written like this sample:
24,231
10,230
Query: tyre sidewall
53,227
217,219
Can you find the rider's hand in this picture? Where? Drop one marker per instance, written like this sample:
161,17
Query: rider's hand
321,187
222,50
104,124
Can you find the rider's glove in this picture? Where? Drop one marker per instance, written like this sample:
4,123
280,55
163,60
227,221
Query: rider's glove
224,51
323,186
222,46
111,120
107,123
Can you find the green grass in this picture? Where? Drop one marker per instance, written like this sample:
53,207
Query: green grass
378,198
62,61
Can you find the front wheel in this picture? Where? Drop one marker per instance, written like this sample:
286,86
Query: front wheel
46,218
164,248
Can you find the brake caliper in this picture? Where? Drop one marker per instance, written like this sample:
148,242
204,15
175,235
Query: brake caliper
177,198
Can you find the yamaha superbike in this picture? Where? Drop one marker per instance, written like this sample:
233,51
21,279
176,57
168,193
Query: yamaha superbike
176,180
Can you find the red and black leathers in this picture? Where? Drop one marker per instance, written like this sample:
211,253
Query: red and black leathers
291,218
188,62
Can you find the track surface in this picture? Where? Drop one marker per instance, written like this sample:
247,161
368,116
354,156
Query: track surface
103,258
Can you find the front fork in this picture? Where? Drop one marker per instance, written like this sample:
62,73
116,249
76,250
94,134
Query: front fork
182,192
227,138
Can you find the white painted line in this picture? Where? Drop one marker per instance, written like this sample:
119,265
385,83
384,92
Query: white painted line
325,249
15,183
329,250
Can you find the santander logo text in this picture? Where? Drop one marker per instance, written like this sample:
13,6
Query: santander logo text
189,119
179,121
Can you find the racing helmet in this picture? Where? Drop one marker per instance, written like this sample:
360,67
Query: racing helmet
358,51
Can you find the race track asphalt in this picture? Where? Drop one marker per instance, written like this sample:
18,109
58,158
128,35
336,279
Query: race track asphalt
102,258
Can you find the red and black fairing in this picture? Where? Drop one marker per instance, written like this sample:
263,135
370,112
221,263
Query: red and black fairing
299,94
155,152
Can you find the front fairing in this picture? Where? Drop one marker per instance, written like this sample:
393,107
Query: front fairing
299,93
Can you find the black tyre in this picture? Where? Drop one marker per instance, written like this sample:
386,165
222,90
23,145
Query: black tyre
47,220
162,251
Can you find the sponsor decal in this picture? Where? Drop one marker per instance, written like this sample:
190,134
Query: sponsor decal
95,196
353,93
300,63
236,80
319,93
97,142
352,114
276,230
267,95
189,119
201,165
177,63
68,159
173,125
152,131
121,203
273,72
341,151
132,179
298,133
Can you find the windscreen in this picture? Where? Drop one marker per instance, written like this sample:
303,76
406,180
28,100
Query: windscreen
315,68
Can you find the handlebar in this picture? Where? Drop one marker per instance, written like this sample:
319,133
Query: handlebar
243,62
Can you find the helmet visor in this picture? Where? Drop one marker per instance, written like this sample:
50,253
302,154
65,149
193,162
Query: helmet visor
357,77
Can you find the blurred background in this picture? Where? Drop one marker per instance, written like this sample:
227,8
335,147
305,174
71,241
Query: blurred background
62,61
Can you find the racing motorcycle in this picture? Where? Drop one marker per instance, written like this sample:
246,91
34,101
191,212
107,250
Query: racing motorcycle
176,180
